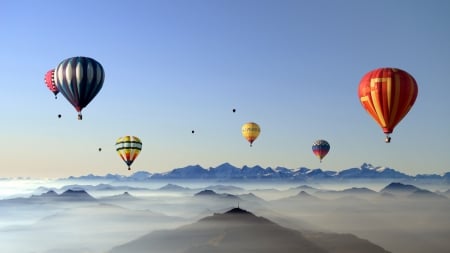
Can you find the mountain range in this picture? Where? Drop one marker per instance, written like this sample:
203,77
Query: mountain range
229,172
224,193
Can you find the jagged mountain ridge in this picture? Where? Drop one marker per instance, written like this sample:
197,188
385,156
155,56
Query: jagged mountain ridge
227,171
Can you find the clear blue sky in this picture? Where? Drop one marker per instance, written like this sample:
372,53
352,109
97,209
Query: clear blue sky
173,66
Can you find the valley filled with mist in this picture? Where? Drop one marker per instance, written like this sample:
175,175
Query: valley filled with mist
98,216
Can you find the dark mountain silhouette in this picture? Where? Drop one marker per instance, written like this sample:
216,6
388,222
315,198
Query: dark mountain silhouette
399,188
73,195
69,196
350,191
50,195
90,188
238,230
49,199
301,197
173,187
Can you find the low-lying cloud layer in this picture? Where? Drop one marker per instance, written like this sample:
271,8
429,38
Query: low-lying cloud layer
87,218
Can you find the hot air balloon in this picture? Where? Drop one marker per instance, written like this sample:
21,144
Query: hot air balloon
250,131
79,79
387,94
320,148
49,80
234,110
128,148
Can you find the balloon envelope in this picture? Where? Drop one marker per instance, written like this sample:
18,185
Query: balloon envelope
128,148
49,80
250,131
320,148
387,94
79,79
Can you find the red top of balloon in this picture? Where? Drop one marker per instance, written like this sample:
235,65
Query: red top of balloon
50,81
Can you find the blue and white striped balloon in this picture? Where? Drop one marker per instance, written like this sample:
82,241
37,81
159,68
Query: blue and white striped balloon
79,79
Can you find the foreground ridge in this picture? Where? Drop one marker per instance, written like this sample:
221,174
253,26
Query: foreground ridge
239,230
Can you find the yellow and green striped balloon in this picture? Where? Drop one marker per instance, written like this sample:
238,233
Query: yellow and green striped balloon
128,148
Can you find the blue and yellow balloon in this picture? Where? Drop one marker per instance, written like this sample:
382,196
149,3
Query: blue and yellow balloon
320,148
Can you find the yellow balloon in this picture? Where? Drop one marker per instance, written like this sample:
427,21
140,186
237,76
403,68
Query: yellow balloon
250,131
128,148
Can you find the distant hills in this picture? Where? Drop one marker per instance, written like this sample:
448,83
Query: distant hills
411,191
69,196
220,193
228,172
238,230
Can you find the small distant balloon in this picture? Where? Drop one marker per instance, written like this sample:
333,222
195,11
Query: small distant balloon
128,148
250,131
59,116
193,131
320,148
234,110
99,149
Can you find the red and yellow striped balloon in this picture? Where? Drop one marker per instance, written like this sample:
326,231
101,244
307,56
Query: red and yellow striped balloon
387,94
